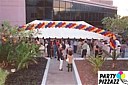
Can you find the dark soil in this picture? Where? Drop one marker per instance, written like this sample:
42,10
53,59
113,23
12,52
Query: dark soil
31,76
87,75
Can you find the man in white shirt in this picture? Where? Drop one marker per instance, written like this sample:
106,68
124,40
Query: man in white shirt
118,47
84,49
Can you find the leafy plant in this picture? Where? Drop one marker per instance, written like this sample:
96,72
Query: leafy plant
4,51
24,54
3,75
15,48
96,62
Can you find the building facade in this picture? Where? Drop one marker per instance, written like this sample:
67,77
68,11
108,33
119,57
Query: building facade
91,11
13,11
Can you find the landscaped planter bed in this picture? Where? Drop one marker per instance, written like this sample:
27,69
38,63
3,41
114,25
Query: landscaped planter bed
31,76
87,75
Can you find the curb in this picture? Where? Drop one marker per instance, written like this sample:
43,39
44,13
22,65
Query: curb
79,58
106,59
46,73
76,74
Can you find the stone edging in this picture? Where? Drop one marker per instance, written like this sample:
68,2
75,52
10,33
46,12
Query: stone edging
118,59
106,59
46,73
76,74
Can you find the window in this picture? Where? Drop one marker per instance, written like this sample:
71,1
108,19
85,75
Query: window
66,10
40,13
48,3
62,4
48,13
40,3
56,3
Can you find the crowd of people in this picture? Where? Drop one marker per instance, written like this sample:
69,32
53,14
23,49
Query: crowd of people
63,49
57,48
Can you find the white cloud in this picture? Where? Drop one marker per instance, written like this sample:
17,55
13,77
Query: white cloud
122,7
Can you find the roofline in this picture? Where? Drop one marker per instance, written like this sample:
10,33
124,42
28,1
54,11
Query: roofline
92,3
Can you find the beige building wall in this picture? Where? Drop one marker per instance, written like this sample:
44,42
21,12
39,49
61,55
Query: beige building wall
13,11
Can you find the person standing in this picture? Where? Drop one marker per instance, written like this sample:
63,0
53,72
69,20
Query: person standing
79,47
64,49
49,50
42,49
37,41
54,48
46,53
96,50
67,46
118,50
69,59
123,47
75,46
84,49
59,52
88,50
118,47
61,59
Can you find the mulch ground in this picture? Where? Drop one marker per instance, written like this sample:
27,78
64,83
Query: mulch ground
87,75
31,76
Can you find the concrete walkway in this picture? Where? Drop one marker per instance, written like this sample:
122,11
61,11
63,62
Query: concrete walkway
56,77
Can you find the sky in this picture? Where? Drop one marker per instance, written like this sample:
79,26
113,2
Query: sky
122,7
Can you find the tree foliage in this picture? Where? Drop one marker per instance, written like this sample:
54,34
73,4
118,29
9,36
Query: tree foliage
116,24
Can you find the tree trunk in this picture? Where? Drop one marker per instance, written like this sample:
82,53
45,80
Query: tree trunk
113,64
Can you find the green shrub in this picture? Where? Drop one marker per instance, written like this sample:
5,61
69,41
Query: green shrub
96,62
23,54
16,51
4,51
3,75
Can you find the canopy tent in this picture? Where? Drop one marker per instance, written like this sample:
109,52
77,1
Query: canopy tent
67,33
66,29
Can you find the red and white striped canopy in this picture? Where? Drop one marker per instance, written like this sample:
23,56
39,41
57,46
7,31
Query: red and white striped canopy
62,28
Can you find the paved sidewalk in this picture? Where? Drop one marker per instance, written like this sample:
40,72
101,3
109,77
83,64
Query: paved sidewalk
56,77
